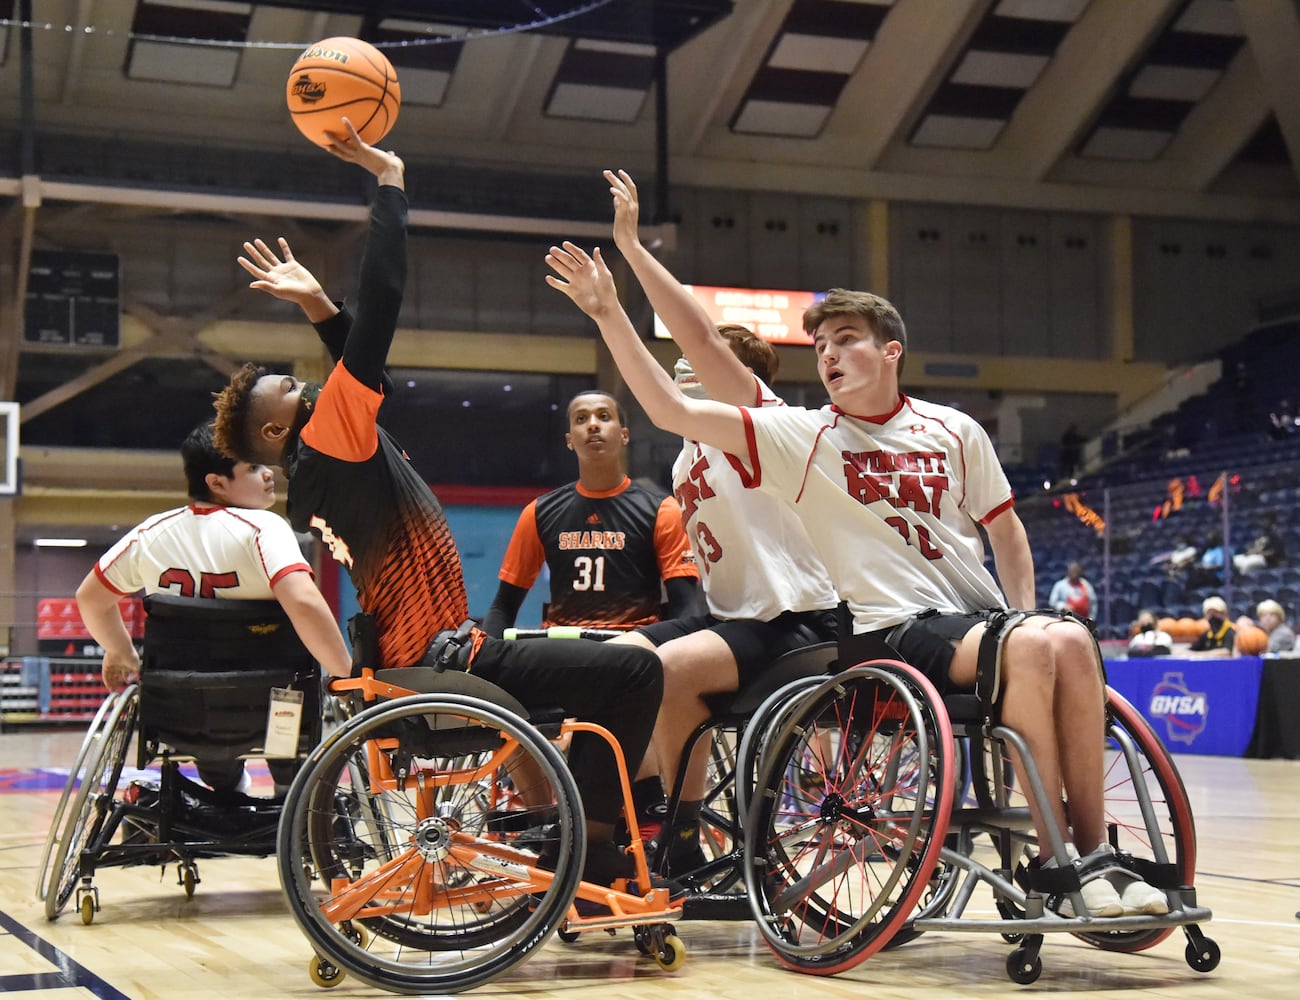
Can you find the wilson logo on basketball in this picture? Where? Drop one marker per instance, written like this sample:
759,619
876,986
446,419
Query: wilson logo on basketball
307,90
325,52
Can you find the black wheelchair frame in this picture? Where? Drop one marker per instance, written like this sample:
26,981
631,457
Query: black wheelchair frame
207,671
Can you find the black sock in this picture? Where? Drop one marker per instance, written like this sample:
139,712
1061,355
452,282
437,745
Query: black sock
648,798
688,814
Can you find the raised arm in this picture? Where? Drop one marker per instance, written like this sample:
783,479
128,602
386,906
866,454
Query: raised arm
587,281
718,369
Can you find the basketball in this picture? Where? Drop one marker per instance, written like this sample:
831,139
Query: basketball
1251,640
341,78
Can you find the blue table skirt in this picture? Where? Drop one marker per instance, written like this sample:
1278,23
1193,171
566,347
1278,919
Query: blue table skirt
1195,706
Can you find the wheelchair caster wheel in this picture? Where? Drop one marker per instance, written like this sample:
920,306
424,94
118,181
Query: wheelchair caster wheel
87,907
323,974
1023,969
671,953
355,933
1204,958
568,937
187,877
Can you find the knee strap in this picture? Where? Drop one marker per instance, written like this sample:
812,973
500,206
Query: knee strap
988,663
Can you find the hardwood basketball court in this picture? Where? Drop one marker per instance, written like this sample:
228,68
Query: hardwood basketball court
237,938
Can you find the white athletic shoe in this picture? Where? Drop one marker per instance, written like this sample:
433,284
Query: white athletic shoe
1138,897
1099,896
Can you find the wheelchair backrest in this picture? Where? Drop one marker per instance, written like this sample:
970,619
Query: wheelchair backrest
207,672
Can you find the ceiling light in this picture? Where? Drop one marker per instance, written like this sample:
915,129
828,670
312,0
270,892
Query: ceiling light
60,543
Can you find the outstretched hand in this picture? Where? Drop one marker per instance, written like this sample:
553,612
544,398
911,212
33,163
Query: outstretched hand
584,279
283,278
386,166
627,209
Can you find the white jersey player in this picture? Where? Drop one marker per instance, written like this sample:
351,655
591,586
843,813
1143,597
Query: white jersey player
893,517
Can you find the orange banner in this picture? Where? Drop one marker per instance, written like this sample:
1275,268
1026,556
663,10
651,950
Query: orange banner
776,316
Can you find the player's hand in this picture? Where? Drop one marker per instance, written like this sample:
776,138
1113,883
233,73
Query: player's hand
387,167
118,670
584,279
279,275
627,209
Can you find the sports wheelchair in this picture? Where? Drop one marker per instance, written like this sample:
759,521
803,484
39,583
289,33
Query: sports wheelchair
437,839
207,670
882,807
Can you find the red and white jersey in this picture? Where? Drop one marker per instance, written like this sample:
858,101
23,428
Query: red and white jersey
889,501
755,559
204,552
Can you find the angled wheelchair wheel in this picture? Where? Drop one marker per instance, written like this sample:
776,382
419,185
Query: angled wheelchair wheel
846,828
84,818
763,725
1169,836
409,844
94,734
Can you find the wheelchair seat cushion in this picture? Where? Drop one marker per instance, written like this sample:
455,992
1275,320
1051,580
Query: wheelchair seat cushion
811,661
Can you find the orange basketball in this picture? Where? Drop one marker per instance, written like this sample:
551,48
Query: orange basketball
1188,629
1251,640
1169,625
343,78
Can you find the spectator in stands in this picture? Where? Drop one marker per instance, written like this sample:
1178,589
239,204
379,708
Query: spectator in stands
1149,639
1282,423
1208,571
1183,555
1071,451
1073,592
1219,635
1271,617
1266,550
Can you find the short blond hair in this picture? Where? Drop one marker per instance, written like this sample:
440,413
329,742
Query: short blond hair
1270,607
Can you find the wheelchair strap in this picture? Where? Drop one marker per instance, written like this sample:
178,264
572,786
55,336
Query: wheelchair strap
452,649
988,664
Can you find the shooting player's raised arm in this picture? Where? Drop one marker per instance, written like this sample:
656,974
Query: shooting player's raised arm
587,281
716,366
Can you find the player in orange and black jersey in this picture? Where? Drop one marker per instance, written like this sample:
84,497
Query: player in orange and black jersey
352,486
608,543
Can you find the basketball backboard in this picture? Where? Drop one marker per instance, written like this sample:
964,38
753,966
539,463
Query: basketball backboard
9,416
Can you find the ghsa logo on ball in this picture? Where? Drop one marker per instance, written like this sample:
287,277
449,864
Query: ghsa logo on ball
1184,712
307,90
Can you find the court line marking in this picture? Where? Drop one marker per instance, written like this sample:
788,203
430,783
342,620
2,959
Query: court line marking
69,973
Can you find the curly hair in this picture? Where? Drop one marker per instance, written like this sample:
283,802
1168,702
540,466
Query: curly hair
232,429
880,314
753,351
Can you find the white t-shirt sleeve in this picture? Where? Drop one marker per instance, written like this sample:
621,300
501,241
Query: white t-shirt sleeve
778,449
119,568
276,546
987,489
